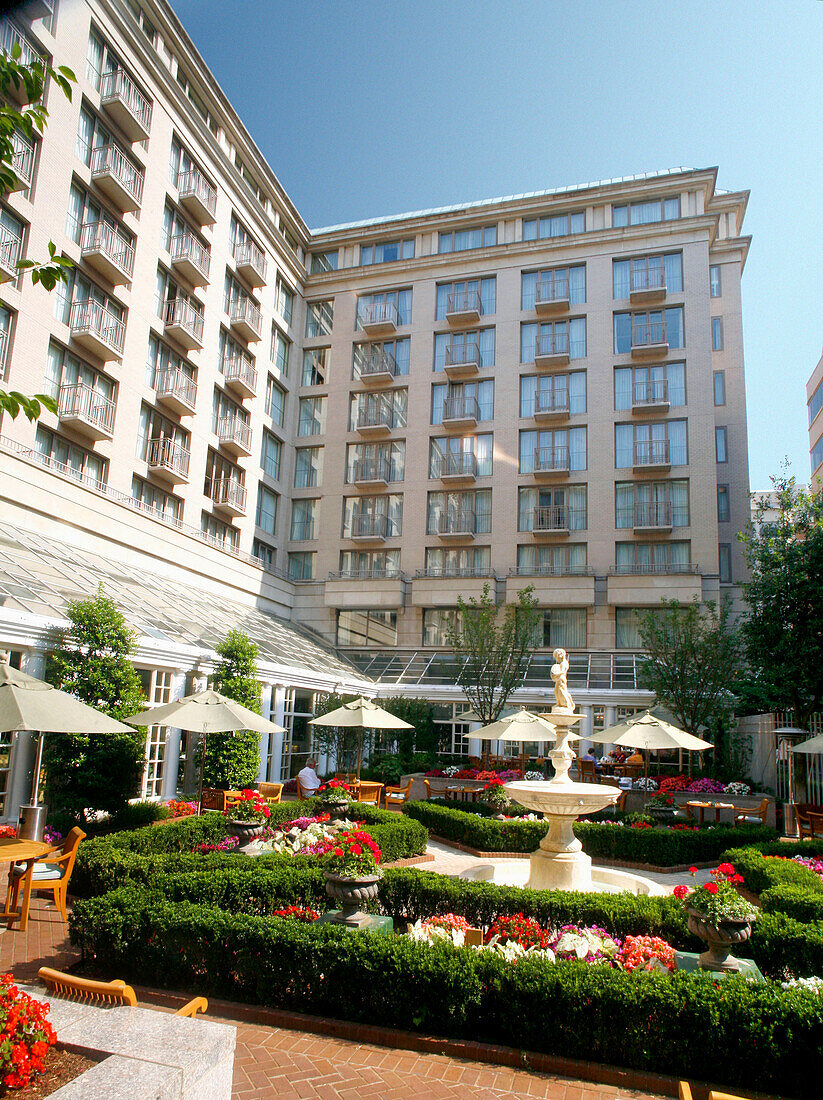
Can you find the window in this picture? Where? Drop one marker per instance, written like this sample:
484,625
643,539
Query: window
319,318
455,348
552,449
725,562
715,287
450,731
720,387
652,557
301,565
554,225
465,294
383,355
308,467
157,686
379,515
461,240
454,455
219,472
647,273
265,554
65,369
815,402
651,504
721,446
375,461
5,334
311,416
165,368
217,532
244,247
280,350
167,290
178,234
662,383
723,508
553,338
562,626
71,459
315,366
78,291
270,454
284,300
655,326
386,252
459,400
656,443
817,454
371,409
237,301
559,561
85,211
266,514
364,628
303,520
627,623
643,213
470,510
275,401
553,283
552,509
467,561
387,304
438,625
153,426
544,392
717,333
91,135
166,505
322,261
370,563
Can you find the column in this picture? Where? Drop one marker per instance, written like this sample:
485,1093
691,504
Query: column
585,728
278,715
265,710
193,740
171,757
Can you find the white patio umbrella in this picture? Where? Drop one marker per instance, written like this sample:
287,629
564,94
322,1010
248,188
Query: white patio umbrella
27,703
363,714
205,712
810,747
647,731
473,716
523,725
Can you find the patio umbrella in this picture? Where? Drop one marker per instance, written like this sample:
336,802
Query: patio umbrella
473,716
27,703
205,712
522,725
647,731
363,714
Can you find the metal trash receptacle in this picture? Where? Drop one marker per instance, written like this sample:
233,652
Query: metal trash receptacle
31,823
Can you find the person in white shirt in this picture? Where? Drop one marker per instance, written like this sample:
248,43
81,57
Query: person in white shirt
309,779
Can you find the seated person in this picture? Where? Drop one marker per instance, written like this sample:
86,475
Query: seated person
309,779
635,758
589,755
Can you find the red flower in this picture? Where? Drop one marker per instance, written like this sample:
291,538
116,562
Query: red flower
692,870
338,851
711,887
725,868
680,892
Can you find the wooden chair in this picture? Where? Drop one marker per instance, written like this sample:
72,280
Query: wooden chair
427,782
302,793
104,993
272,792
52,873
231,798
815,823
587,771
684,1091
752,817
397,795
369,793
347,777
801,816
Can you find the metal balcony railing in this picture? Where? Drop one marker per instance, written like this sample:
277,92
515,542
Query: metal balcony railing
173,382
226,491
371,469
653,513
167,454
10,37
103,237
374,416
551,288
460,522
185,246
10,248
22,162
81,401
464,301
302,530
647,275
375,573
551,401
91,318
452,571
654,391
551,343
240,368
370,526
552,569
231,429
374,359
647,333
551,517
547,459
247,254
193,184
181,313
110,160
653,568
379,313
243,310
458,464
461,408
652,452
117,85
463,355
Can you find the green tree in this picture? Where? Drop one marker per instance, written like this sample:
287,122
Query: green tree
491,647
233,758
91,659
32,79
783,630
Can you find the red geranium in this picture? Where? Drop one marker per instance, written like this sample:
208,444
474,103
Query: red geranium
523,930
25,1035
710,887
297,912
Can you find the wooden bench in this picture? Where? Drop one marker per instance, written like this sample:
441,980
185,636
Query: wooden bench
103,993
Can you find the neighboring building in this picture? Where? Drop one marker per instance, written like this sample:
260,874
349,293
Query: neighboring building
765,507
325,436
814,399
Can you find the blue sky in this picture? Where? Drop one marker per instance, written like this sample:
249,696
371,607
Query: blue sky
367,108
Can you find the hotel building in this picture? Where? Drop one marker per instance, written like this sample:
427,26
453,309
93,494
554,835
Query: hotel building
321,437
814,400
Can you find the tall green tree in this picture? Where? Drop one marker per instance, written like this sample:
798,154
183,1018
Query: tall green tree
783,630
233,758
491,647
91,659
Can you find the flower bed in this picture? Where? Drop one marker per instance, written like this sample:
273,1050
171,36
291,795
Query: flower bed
25,1035
502,775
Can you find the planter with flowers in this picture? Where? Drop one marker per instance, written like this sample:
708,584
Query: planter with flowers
495,797
719,916
247,818
661,808
334,797
352,875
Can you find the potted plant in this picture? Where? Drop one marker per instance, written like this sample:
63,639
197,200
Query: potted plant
334,797
661,807
495,797
719,916
248,817
351,869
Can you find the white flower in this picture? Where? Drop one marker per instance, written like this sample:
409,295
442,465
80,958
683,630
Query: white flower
534,777
813,985
451,771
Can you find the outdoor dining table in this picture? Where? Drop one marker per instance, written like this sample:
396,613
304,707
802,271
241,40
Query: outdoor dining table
716,806
21,851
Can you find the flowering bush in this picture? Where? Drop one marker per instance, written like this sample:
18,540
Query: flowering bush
449,927
251,807
588,944
738,788
181,809
352,854
290,786
334,791
717,901
25,1035
8,832
811,862
525,931
297,912
534,777
303,836
662,801
706,786
225,845
51,836
646,953
813,985
674,783
647,784
435,773
451,771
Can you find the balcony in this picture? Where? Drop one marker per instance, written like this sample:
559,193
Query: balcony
97,330
177,391
125,104
11,247
39,9
651,396
197,196
10,38
22,161
551,349
458,467
651,454
374,420
370,528
653,515
463,307
462,360
551,295
550,520
460,412
379,319
648,282
234,435
117,177
646,587
240,374
376,365
85,410
386,589
251,263
191,258
437,589
184,323
244,315
553,588
551,462
108,251
370,471
228,497
551,405
168,461
648,339
457,524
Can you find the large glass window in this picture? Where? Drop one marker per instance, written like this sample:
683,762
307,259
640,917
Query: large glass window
391,304
470,510
438,625
321,262
311,416
455,400
380,356
284,300
652,557
646,385
275,401
319,317
280,350
270,455
553,338
554,283
304,520
65,369
461,240
720,391
452,561
543,392
70,458
266,513
648,273
381,514
552,449
166,505
643,213
372,461
627,623
654,326
454,455
723,505
715,286
561,508
567,560
554,225
386,252
717,333
315,366
301,565
651,504
467,291
721,444
308,467
455,348
365,564
658,443
367,628
725,562
562,626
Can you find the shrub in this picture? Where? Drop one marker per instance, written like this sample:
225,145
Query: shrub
798,902
135,814
760,873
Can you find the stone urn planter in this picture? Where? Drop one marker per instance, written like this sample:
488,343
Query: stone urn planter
335,809
350,893
245,831
661,814
720,938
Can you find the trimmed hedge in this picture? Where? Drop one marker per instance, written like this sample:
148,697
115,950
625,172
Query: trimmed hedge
738,1033
760,874
659,847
